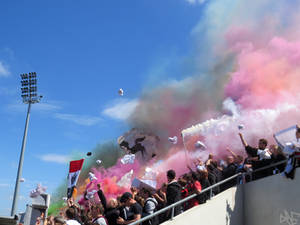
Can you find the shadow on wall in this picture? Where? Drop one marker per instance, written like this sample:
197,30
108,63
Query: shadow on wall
234,209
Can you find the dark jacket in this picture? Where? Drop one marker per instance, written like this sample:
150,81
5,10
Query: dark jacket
213,179
276,159
174,195
102,199
229,171
206,195
112,215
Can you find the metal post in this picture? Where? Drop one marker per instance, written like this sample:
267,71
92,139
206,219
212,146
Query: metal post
172,213
14,205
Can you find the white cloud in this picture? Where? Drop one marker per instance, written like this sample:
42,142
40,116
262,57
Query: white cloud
46,107
4,72
4,185
121,109
41,107
192,2
78,119
62,159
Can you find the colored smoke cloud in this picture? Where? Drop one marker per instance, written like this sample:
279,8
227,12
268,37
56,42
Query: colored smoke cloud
246,51
266,76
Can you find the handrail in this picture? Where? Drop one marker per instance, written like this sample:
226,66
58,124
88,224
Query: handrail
203,191
184,200
272,165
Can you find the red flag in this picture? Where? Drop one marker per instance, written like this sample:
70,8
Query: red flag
75,165
74,171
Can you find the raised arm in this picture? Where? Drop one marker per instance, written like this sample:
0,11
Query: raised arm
102,197
243,140
232,153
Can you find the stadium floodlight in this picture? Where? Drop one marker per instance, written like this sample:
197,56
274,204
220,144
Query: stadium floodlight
29,88
29,96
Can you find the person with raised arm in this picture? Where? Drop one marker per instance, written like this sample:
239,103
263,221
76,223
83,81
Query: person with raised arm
260,156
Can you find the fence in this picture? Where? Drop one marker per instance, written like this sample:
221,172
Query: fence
171,207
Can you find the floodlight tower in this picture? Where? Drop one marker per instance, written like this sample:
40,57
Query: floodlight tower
29,95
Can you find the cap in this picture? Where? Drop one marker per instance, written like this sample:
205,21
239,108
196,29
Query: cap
125,197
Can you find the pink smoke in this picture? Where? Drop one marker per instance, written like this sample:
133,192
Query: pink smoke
266,76
264,83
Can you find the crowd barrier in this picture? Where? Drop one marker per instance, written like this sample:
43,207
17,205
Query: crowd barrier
210,189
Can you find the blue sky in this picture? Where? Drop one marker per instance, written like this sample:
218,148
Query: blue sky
83,52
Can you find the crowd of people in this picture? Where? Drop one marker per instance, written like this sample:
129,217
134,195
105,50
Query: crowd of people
138,203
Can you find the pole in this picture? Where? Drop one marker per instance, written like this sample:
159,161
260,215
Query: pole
15,200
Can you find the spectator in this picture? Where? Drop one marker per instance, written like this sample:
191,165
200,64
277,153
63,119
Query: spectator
97,213
84,218
203,178
216,170
122,209
194,188
112,213
229,171
135,209
71,204
242,167
149,206
210,158
240,164
184,191
277,156
294,151
214,175
71,217
161,198
260,156
139,199
134,192
199,165
59,220
101,197
173,192
261,152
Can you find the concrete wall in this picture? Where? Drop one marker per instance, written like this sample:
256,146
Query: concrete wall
272,201
225,208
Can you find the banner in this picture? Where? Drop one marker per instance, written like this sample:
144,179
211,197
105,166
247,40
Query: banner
74,171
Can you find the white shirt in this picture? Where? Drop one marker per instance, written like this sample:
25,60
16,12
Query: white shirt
291,147
72,222
263,154
150,205
100,221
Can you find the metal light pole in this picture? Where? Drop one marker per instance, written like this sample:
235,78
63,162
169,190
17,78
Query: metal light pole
29,95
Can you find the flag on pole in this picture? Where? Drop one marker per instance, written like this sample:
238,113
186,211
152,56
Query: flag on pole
74,171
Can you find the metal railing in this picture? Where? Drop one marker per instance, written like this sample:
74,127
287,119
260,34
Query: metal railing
273,165
172,207
210,188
